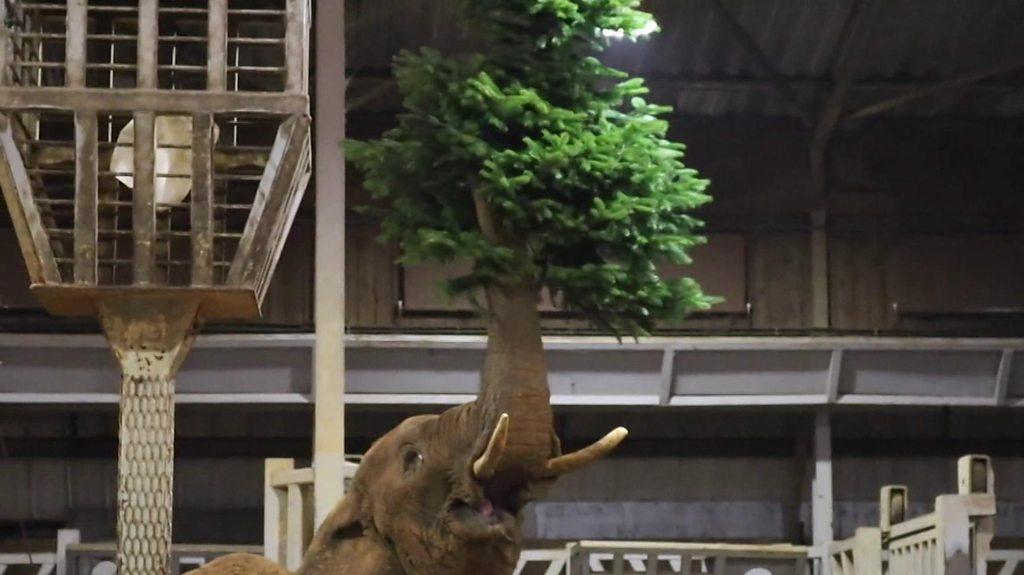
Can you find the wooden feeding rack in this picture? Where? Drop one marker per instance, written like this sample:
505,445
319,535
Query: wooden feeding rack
152,158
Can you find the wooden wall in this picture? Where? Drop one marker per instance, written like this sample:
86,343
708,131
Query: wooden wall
925,235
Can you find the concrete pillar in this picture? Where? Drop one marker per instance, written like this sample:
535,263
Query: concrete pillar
329,303
821,488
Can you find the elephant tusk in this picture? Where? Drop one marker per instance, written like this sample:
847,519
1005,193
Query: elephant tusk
485,465
579,459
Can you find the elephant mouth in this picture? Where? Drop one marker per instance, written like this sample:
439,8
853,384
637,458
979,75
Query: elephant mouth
489,515
484,510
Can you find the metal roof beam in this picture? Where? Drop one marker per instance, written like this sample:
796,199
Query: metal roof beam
924,92
752,47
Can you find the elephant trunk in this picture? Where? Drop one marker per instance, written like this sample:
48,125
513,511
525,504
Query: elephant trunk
515,401
515,380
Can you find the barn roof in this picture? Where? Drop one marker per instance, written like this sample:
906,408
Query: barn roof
731,57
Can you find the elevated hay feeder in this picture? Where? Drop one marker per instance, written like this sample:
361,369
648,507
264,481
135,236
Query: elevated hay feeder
152,158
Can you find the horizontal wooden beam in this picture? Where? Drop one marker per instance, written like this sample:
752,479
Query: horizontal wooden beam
286,477
160,101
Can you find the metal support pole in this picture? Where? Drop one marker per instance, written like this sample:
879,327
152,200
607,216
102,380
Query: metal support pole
150,337
821,488
329,354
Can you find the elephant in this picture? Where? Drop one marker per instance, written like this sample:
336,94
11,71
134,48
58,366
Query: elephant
442,494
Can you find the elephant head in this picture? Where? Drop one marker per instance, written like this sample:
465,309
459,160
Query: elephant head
428,499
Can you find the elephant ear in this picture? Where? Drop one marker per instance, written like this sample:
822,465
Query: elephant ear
348,520
346,543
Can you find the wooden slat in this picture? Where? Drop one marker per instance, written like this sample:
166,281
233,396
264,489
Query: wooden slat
75,43
149,100
651,562
4,47
86,197
277,199
685,564
293,536
146,59
35,245
275,505
143,199
202,199
217,46
288,477
296,45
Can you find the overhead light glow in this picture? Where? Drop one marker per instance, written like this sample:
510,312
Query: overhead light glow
650,28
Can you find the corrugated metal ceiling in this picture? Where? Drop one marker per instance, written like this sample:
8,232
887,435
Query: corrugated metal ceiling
698,64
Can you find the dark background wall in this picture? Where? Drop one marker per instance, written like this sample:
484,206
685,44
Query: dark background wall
685,474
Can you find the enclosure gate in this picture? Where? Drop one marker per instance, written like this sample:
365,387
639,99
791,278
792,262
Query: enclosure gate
955,539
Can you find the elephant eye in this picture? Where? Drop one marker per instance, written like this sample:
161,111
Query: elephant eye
411,460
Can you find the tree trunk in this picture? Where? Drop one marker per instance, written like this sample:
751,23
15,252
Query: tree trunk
515,378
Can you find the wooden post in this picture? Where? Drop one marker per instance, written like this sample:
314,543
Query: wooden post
202,199
4,45
843,70
819,271
144,199
296,45
821,489
295,543
146,61
86,197
217,46
65,537
75,43
275,507
329,354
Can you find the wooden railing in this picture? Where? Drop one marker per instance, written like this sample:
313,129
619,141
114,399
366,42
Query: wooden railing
1006,562
46,563
288,510
627,557
73,558
99,558
955,539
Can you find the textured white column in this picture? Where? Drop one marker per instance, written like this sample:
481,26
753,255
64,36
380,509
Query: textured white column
150,337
